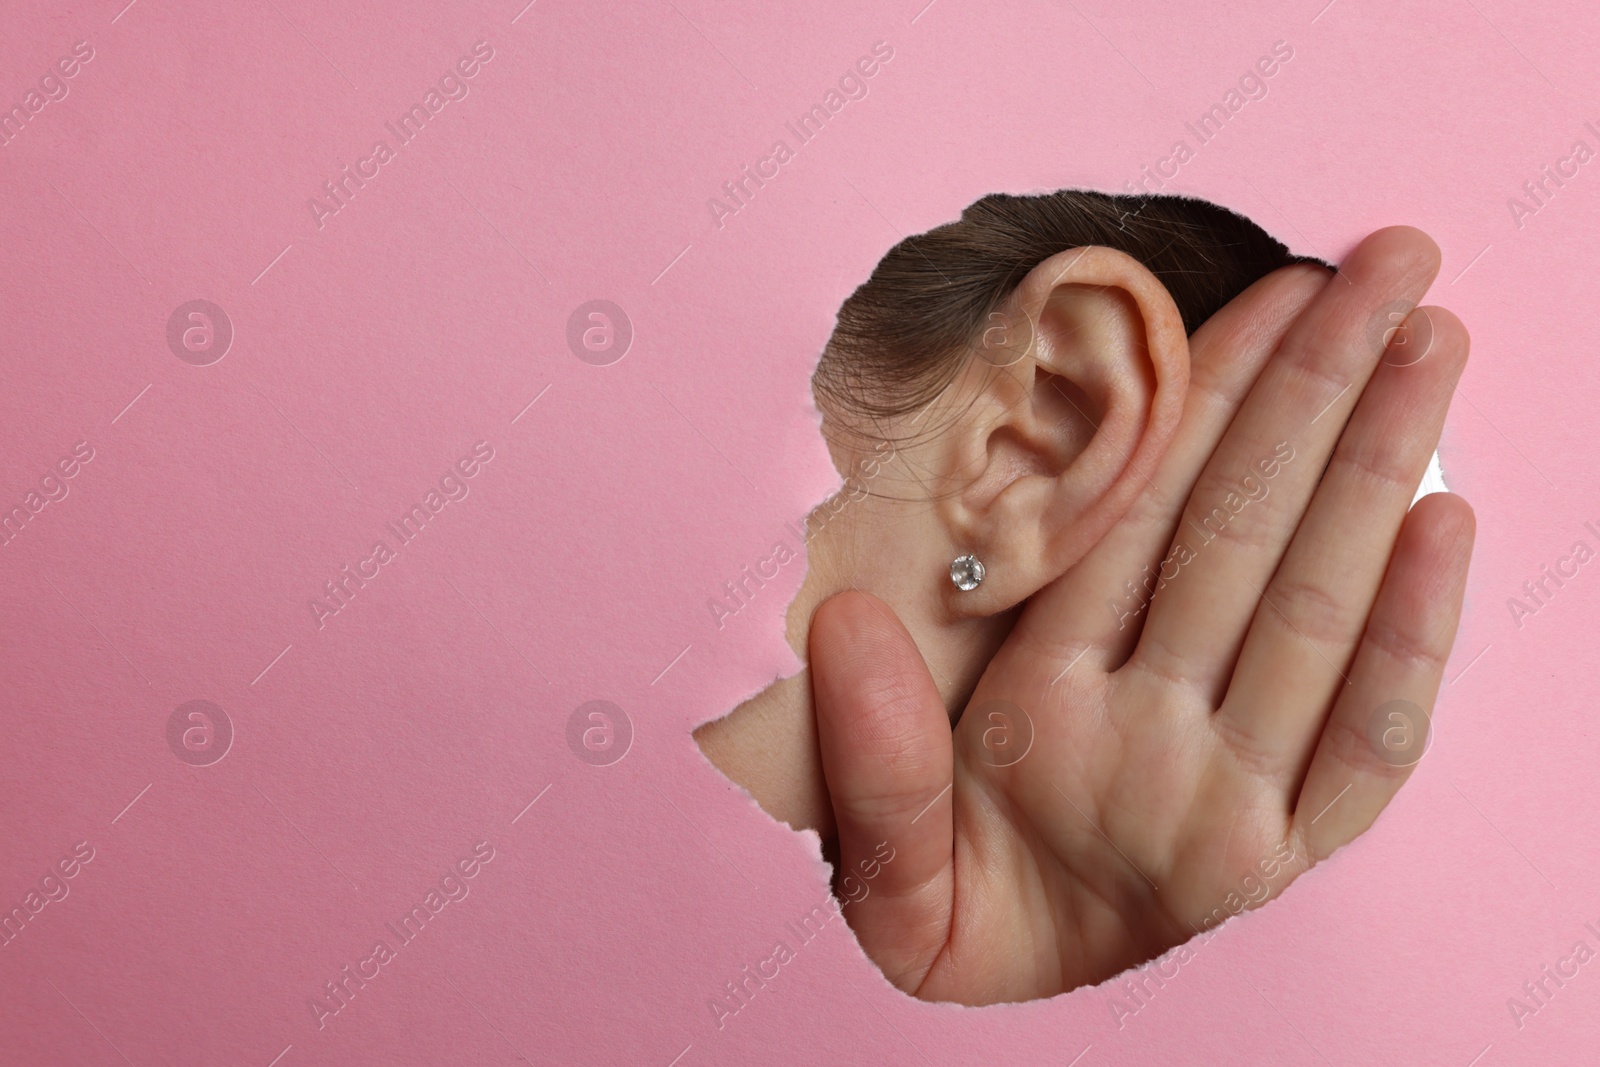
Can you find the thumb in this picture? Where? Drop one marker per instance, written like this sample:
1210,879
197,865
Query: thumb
885,740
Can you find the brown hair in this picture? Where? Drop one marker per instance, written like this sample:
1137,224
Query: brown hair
902,336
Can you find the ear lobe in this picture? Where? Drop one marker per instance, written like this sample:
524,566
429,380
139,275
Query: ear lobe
1068,416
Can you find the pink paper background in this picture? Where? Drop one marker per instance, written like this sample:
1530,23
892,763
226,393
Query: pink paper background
370,354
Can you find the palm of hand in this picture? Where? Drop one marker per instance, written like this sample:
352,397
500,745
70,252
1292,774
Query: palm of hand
1128,811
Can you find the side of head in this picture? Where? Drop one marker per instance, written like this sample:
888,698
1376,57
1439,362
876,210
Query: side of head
1009,381
999,386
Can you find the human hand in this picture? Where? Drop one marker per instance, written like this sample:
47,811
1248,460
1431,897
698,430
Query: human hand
1124,774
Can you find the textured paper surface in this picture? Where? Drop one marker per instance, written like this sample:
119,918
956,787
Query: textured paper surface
346,763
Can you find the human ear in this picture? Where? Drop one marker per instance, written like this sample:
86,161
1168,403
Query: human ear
1061,412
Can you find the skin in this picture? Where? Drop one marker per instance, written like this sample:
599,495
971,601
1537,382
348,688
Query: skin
1147,770
1025,458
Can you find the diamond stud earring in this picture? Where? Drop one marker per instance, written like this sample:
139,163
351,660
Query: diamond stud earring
966,572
